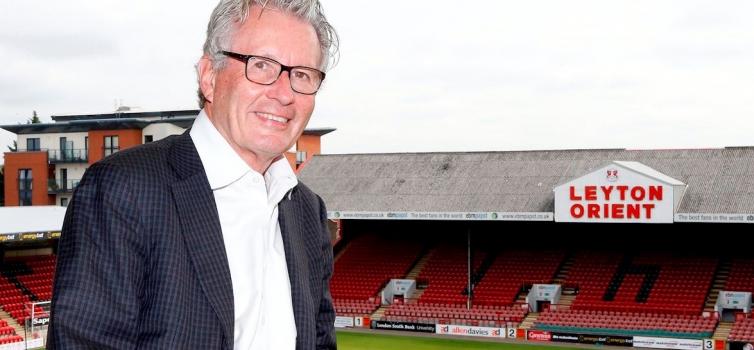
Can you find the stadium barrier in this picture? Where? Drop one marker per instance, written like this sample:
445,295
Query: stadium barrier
740,346
352,322
593,339
471,331
13,346
668,343
405,326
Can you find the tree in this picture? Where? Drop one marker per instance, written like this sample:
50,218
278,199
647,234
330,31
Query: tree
34,119
13,148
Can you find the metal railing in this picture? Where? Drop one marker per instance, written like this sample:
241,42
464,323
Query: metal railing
59,186
62,156
68,156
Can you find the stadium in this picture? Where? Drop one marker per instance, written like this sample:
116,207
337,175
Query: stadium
615,247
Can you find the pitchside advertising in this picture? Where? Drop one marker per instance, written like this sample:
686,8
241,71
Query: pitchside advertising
619,192
471,331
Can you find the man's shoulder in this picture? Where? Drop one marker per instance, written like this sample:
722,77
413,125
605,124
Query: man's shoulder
305,192
148,161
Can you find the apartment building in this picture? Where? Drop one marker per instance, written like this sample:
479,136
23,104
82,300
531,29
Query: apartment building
51,158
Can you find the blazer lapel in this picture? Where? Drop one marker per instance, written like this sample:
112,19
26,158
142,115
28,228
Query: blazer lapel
202,232
289,217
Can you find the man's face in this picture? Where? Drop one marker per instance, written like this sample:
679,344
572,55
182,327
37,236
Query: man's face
259,121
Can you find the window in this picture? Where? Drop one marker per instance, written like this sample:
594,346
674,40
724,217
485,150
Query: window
64,179
24,187
111,145
148,138
63,202
32,144
66,149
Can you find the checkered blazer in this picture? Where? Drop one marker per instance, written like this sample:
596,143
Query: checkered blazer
142,264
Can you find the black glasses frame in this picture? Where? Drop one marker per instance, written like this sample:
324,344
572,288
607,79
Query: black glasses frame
283,68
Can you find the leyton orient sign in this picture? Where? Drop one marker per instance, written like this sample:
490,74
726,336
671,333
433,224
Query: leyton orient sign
619,192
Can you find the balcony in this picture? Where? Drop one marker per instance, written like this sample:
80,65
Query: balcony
58,186
68,156
62,156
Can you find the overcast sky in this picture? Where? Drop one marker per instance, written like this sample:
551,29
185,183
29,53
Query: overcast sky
423,75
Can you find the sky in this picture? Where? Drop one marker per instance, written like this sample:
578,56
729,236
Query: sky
421,75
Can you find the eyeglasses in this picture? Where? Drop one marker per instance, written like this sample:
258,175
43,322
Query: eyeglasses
266,71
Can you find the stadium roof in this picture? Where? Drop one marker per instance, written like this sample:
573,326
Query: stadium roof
719,180
31,219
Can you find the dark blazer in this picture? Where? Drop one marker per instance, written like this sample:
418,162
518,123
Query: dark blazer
142,264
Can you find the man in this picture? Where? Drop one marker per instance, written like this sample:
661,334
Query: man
206,240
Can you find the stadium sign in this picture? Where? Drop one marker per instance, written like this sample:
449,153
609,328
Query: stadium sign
470,331
619,192
592,339
405,326
715,218
535,335
445,216
41,321
668,343
29,236
343,321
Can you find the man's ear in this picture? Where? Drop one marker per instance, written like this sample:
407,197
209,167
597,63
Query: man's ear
206,78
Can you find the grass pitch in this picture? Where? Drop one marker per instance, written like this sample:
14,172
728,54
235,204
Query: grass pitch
371,341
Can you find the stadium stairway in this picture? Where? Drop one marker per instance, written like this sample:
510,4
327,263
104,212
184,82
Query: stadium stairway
341,252
12,322
419,266
528,322
718,284
723,330
379,313
563,270
565,301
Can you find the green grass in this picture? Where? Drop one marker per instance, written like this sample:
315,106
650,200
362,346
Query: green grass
367,341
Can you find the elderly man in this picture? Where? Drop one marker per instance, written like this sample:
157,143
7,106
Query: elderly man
207,240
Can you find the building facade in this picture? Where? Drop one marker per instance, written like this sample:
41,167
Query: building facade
52,157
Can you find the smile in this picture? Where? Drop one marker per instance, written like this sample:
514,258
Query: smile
273,117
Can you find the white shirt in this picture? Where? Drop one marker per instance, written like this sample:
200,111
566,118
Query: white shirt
247,203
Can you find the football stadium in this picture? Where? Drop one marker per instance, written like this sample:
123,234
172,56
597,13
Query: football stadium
500,250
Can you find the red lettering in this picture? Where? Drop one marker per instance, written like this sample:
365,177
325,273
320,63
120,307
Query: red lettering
655,193
633,211
574,197
577,211
622,190
638,193
648,208
606,190
590,193
593,211
618,211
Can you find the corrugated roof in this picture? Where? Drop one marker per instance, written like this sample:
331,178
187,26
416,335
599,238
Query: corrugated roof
719,180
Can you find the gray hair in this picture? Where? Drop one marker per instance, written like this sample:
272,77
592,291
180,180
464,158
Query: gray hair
228,13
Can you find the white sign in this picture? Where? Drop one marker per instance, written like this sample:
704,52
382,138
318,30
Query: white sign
618,192
668,343
343,321
450,216
717,218
397,287
470,331
733,300
13,346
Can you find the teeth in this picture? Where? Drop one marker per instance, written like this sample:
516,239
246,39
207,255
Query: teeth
273,117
